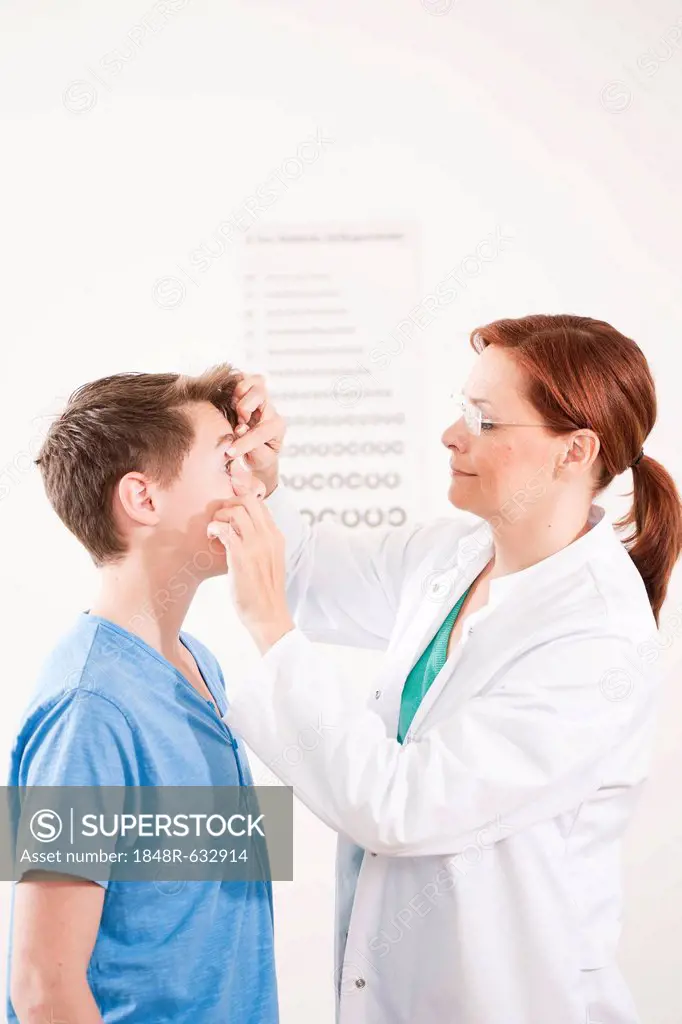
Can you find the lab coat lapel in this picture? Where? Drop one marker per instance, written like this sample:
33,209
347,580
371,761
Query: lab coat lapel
438,595
444,590
430,597
435,593
469,682
423,616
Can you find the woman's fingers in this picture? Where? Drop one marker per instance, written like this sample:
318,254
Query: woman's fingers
236,518
255,555
247,515
248,380
224,513
250,396
259,515
269,432
225,534
259,433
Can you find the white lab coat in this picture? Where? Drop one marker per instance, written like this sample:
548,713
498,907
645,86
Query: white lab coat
478,863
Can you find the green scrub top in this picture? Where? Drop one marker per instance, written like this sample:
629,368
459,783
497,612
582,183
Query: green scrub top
426,670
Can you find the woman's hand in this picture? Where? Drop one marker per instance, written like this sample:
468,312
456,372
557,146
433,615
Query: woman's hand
261,430
256,567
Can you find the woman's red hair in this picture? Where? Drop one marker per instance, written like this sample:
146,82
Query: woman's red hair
583,373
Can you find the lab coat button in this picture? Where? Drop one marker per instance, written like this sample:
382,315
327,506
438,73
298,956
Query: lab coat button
360,982
377,694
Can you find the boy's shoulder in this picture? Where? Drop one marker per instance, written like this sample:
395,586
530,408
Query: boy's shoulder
84,661
97,658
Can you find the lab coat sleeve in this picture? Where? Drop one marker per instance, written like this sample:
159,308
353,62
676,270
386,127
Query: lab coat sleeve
343,586
528,749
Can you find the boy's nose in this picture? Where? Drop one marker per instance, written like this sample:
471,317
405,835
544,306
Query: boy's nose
258,487
244,480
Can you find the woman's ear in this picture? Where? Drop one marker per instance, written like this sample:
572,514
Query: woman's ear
136,495
582,451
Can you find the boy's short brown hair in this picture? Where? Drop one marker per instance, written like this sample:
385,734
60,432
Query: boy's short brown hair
116,425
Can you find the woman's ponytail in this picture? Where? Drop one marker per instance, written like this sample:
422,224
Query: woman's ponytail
655,541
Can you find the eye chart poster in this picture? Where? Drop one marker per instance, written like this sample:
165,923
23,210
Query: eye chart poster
330,320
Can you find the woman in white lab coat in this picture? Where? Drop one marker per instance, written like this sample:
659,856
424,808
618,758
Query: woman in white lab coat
481,792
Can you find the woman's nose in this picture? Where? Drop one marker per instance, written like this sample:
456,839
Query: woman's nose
456,435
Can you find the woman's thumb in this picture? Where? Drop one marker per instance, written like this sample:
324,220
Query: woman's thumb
219,531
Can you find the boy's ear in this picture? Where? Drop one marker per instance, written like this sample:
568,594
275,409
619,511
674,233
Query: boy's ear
136,494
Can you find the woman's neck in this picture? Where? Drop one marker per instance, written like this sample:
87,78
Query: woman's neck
536,534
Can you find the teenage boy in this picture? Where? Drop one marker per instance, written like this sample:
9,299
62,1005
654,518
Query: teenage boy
135,467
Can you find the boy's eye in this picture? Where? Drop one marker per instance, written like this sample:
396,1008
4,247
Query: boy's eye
487,425
228,466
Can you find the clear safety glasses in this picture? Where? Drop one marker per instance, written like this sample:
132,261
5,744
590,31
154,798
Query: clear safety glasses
474,419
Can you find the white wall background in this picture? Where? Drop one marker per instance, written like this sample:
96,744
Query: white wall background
557,123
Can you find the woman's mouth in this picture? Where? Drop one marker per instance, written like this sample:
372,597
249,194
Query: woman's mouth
458,472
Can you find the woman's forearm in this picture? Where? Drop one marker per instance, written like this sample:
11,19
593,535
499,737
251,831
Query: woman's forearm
343,585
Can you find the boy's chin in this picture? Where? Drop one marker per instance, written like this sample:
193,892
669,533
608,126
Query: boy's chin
215,572
211,560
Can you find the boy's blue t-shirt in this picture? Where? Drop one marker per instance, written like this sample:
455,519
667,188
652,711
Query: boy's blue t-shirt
109,710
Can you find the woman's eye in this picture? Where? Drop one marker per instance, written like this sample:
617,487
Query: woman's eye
228,466
487,425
